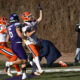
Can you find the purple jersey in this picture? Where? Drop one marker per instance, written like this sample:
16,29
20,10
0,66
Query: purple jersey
12,32
16,41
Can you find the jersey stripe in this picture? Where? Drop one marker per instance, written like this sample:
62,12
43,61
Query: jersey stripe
7,52
31,50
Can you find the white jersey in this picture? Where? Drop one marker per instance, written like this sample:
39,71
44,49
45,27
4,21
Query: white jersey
2,34
33,39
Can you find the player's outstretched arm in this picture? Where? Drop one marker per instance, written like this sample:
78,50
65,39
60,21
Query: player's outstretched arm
40,16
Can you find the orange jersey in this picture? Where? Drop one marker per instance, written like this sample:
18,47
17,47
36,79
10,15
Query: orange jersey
3,47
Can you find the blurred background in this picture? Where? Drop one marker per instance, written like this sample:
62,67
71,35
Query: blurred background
59,19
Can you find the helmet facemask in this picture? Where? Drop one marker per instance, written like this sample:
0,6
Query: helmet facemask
26,16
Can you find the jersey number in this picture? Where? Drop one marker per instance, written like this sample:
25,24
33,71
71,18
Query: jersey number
10,33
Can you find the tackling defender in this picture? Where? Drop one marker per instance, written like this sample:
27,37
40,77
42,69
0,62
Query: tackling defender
15,35
3,46
30,30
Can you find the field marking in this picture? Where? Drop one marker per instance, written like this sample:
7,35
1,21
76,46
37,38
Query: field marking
47,70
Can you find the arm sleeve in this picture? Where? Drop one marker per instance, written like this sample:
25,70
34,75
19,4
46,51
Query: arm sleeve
18,25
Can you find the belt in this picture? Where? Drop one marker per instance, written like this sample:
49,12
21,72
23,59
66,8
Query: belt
18,42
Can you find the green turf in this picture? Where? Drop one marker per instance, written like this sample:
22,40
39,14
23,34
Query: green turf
58,76
2,64
53,76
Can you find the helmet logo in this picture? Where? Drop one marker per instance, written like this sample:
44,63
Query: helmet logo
14,17
11,18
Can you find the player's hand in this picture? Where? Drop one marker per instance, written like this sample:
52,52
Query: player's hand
24,40
39,7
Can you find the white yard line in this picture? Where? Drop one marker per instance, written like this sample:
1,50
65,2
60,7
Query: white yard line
48,70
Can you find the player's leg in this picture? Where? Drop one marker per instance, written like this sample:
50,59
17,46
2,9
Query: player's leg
12,58
34,72
35,54
19,61
77,56
6,70
19,51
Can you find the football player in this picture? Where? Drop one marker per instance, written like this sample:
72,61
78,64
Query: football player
3,46
15,35
30,30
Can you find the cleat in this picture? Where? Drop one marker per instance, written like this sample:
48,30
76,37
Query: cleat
8,72
62,64
24,76
36,73
41,72
18,74
8,64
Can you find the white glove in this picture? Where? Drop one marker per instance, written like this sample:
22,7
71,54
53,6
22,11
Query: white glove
79,27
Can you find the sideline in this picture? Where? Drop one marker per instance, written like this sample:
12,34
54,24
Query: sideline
48,70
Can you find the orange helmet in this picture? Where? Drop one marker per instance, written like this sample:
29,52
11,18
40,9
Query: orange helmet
26,16
3,21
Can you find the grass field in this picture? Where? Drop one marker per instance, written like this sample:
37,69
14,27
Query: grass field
59,76
50,76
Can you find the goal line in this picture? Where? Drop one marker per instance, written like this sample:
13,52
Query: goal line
48,70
